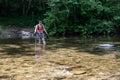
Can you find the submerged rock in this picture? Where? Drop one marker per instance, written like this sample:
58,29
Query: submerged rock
77,70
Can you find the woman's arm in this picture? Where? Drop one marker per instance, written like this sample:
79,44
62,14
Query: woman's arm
35,30
44,30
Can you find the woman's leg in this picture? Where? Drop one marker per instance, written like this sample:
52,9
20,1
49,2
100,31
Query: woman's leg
42,45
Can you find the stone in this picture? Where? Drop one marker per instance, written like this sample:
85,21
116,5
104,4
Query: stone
78,71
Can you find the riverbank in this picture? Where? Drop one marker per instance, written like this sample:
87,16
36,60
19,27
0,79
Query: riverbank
64,59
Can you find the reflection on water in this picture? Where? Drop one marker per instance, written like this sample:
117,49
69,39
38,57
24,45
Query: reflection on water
39,50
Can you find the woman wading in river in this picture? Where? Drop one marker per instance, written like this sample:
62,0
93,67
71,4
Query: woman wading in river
39,32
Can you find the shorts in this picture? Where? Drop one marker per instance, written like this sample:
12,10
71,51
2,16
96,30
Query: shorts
39,35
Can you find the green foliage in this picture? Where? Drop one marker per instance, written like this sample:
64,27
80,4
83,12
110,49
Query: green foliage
64,17
116,20
21,21
100,27
15,21
79,16
22,7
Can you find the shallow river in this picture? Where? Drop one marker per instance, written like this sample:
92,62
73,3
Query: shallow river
70,58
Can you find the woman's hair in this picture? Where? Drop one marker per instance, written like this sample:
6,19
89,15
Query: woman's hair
40,21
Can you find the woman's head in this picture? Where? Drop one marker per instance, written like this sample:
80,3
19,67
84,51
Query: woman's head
40,22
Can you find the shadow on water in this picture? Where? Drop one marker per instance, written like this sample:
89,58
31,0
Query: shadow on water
15,46
90,45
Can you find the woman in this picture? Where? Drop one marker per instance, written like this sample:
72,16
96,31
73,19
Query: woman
39,32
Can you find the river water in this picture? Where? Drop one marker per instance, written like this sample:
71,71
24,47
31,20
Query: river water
71,58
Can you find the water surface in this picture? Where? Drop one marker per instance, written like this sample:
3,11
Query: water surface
89,58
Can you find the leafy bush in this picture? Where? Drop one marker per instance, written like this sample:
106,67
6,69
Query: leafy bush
100,27
85,17
23,21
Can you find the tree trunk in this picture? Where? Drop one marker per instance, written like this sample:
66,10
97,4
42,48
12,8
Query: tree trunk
23,7
28,7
